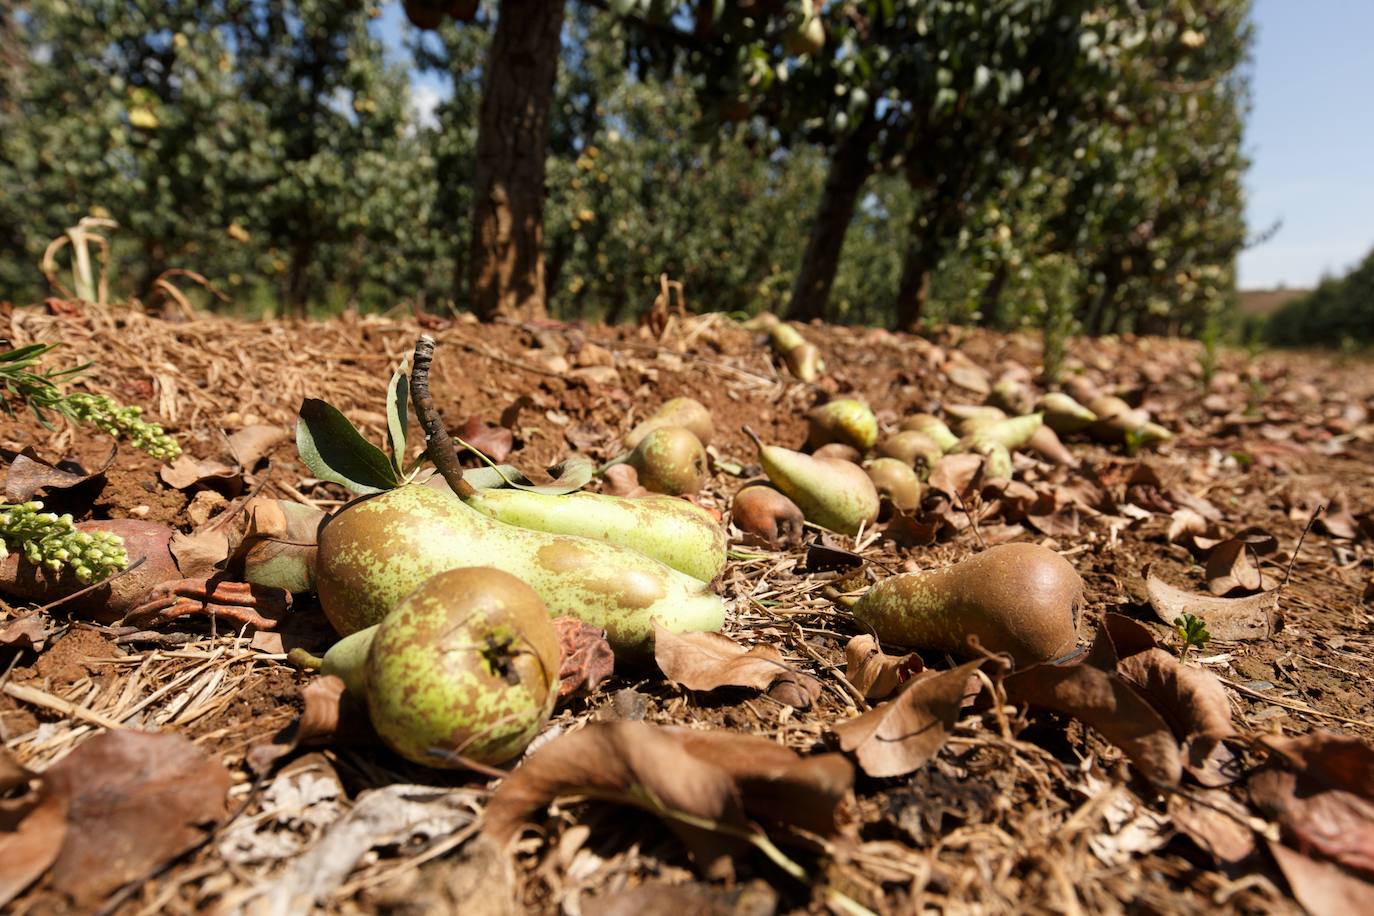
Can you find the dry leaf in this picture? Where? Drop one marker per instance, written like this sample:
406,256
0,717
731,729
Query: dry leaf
953,474
658,898
32,830
1194,704
1253,617
970,378
323,710
902,734
825,553
708,661
874,673
587,656
1231,567
715,777
1323,888
29,632
252,443
28,474
1216,822
187,473
200,553
493,441
134,800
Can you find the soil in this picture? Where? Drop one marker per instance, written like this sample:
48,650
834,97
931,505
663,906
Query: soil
988,825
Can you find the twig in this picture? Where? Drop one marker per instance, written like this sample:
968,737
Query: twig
1293,706
1302,537
438,444
27,694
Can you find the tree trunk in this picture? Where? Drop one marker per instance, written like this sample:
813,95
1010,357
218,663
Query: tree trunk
850,167
507,265
990,302
298,276
914,288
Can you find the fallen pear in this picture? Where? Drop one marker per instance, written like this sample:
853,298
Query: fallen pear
933,427
377,549
671,530
845,421
465,668
832,493
1011,433
838,450
802,359
1063,414
767,516
1022,599
1118,421
912,448
1012,396
670,460
688,413
896,482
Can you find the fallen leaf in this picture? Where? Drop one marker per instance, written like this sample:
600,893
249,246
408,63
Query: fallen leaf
970,378
953,474
28,632
493,441
252,443
32,831
658,898
1252,617
1062,522
708,661
297,805
1216,822
714,778
1232,568
622,480
28,474
186,473
909,530
825,554
134,800
1323,888
200,553
874,673
899,736
1146,490
1194,704
323,709
1131,829
279,544
1337,521
587,659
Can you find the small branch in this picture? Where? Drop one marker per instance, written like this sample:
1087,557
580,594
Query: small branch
438,444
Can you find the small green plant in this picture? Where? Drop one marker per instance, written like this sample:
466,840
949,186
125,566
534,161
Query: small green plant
1058,319
40,391
51,541
1192,630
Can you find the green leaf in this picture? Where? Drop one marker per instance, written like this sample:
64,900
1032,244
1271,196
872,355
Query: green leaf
398,416
334,450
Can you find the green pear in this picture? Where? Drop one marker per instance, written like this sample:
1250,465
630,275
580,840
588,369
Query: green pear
896,482
1010,433
685,412
1012,396
832,493
670,460
845,421
1063,414
802,358
467,664
377,549
911,447
933,427
673,531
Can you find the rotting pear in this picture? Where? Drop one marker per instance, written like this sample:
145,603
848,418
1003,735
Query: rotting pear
671,530
1022,599
845,421
766,516
377,549
466,666
685,412
802,358
832,493
670,460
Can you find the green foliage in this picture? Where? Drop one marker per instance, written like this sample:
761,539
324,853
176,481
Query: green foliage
1192,633
52,542
1338,312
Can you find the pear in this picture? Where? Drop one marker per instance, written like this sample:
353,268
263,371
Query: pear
766,516
911,447
377,549
832,493
1063,414
933,427
896,482
685,412
1012,396
845,421
802,359
971,417
670,460
1010,433
467,663
838,450
673,531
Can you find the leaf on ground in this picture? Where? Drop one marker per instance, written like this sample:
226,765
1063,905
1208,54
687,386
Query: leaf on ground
253,443
825,553
709,661
914,530
28,632
323,709
1251,617
134,800
1062,522
32,831
200,553
1145,489
1233,567
279,544
953,475
1185,500
1194,704
1337,521
1190,529
621,480
899,736
970,378
698,781
1322,888
1322,796
873,672
187,473
1216,822
297,805
29,473
1110,705
493,441
659,898
587,656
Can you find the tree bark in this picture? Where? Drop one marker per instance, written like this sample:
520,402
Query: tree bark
850,167
990,302
914,287
507,262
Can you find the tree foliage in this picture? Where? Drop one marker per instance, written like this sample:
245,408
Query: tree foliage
1339,311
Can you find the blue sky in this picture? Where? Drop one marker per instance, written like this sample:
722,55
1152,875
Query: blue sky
1311,140
1310,136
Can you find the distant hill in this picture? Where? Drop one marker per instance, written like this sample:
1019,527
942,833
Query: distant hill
1267,301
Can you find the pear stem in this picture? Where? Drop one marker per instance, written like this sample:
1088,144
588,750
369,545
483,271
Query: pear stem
438,444
304,660
748,431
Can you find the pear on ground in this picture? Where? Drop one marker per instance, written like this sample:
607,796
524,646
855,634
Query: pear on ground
688,413
896,482
831,493
845,421
933,427
670,460
911,447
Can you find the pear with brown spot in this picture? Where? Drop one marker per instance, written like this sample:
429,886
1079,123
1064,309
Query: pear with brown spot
688,413
670,460
831,493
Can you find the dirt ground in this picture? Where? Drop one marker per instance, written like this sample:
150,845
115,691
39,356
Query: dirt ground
1038,813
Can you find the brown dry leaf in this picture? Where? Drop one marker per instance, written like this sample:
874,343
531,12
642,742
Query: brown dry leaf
1190,529
712,776
493,441
1323,888
1252,617
1185,500
29,473
279,544
873,672
825,553
708,661
1337,521
622,480
1194,704
323,708
134,800
1106,702
29,632
902,734
32,830
1062,522
1146,490
187,472
1232,568
200,553
587,656
253,443
1323,798
1216,822
907,530
658,898
954,474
